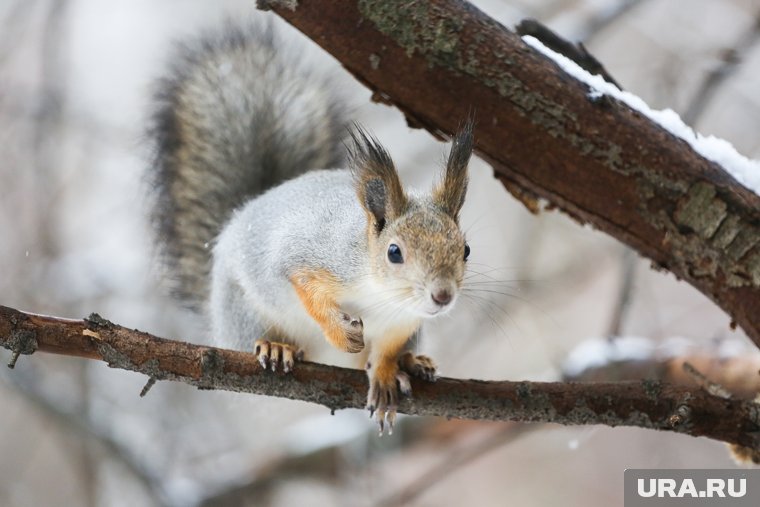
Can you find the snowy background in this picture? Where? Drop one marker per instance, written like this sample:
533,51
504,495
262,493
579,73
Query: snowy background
77,78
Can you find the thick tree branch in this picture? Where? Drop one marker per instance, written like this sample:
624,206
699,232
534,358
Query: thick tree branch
598,160
646,404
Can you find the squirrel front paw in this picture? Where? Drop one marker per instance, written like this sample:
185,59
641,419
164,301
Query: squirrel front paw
273,354
385,383
353,331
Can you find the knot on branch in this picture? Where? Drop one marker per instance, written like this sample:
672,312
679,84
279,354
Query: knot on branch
96,321
21,341
212,369
680,418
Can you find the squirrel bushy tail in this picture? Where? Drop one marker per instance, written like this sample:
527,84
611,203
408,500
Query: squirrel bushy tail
235,116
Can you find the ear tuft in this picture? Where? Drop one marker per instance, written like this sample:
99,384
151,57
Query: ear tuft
374,202
450,193
377,183
365,153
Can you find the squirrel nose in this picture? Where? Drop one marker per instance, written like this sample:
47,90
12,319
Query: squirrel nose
442,297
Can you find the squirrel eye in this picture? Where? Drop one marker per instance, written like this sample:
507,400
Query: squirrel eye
466,251
394,254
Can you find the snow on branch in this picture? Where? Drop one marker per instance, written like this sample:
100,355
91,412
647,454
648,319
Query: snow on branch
720,151
646,404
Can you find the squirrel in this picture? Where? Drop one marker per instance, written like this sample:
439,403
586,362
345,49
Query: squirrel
290,245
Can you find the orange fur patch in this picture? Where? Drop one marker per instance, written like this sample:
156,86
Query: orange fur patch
386,358
319,291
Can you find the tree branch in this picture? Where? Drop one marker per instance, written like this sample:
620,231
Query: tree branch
599,161
646,404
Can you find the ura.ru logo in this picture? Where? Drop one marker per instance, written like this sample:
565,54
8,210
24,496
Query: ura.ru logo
714,488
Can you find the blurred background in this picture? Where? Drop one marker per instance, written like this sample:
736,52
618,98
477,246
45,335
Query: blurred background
77,77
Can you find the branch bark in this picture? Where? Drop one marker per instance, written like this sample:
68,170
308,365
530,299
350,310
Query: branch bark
599,161
646,404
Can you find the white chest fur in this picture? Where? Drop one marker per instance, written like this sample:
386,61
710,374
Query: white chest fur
385,311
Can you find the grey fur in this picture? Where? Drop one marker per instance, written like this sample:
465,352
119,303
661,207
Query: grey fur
261,247
234,117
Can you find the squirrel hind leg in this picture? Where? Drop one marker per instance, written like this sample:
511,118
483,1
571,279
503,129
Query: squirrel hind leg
383,397
386,382
388,379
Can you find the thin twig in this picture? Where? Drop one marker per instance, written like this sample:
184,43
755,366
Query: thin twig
705,383
605,17
75,424
576,52
737,374
624,295
456,460
729,64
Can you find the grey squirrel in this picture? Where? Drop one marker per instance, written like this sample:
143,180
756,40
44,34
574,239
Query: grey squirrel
289,253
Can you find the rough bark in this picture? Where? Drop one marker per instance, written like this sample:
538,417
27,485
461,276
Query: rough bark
598,160
646,404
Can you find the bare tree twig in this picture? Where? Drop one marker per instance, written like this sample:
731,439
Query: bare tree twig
737,375
454,461
91,434
606,17
322,464
624,295
705,383
576,52
599,161
646,404
730,60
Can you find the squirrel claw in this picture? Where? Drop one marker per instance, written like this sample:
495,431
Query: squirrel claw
385,418
380,421
382,401
274,354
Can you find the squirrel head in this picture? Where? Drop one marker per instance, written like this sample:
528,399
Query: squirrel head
416,246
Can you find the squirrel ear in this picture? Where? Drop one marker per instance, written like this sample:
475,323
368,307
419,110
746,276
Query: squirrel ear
377,183
450,193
